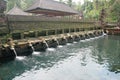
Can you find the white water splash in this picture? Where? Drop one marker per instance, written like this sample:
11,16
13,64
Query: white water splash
60,46
74,42
36,53
20,58
69,44
82,41
14,51
87,39
50,49
104,34
92,38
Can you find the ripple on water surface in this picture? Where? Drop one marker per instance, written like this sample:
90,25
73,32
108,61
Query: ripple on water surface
89,60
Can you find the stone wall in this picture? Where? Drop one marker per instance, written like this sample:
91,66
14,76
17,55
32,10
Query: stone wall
21,27
33,23
2,6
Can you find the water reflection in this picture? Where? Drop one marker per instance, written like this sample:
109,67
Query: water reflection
98,59
107,51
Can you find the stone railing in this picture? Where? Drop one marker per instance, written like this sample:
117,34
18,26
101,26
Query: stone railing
21,27
46,18
27,23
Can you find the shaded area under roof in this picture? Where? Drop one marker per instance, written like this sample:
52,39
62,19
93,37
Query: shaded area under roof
17,11
50,7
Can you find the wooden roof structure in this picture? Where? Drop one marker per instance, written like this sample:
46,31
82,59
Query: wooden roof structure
51,7
17,11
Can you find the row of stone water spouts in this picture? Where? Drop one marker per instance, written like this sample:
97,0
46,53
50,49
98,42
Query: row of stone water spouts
11,43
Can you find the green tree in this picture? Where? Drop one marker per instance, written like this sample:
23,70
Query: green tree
20,3
11,3
115,9
87,7
78,6
92,9
60,0
70,2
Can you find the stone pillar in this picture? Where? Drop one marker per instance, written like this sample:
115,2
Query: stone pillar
46,32
36,33
63,31
55,31
75,29
10,42
69,30
22,35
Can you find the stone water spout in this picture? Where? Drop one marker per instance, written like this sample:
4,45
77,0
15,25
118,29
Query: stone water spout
11,44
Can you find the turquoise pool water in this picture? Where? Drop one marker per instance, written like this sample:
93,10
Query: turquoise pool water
93,59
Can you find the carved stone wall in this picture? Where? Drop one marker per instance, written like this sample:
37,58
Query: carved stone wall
2,6
2,9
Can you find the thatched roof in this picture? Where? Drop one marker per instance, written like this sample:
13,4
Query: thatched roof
51,7
17,11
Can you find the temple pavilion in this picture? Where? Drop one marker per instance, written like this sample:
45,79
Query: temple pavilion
51,7
17,11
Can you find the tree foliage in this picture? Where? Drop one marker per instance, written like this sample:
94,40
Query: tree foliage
69,2
90,9
115,9
20,3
